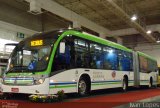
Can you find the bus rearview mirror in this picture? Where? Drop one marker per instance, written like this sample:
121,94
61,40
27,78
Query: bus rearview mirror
62,47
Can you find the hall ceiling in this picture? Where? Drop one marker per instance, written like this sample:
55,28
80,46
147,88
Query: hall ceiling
148,11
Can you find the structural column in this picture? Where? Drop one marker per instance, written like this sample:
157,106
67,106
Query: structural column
35,7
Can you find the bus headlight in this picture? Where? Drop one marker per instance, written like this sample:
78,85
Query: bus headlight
39,81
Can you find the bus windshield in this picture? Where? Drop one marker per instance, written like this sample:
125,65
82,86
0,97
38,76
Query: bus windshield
30,59
32,54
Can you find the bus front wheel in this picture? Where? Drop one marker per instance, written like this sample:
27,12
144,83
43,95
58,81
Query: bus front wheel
83,87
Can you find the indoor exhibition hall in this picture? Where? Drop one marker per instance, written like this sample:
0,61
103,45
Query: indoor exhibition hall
79,53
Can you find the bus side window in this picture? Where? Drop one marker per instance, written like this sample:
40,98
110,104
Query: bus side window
143,64
96,56
152,66
82,58
110,58
125,61
64,60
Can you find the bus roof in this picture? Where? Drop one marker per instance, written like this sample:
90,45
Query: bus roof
48,34
145,55
96,39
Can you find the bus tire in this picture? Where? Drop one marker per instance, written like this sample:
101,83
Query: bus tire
125,84
151,83
83,87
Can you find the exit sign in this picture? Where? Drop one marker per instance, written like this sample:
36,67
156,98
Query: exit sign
20,35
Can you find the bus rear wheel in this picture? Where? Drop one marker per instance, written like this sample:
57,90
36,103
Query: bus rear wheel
83,87
151,83
125,84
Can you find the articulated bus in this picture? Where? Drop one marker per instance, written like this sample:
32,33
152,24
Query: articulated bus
75,62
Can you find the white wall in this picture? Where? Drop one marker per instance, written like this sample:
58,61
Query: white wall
9,32
152,50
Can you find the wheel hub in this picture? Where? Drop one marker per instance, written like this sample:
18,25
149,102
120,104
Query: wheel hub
82,87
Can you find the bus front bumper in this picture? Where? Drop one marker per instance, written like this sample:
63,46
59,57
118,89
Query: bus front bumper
27,89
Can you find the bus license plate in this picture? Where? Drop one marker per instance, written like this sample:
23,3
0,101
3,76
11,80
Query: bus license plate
16,90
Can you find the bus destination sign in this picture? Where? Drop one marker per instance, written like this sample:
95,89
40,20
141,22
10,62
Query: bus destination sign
37,43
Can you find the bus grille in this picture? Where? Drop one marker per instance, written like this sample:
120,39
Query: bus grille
18,81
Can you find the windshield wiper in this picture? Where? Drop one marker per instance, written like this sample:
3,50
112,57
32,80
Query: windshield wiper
10,70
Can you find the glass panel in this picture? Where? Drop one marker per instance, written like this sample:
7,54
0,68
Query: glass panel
125,61
143,64
110,58
81,53
33,53
152,66
30,59
65,60
96,56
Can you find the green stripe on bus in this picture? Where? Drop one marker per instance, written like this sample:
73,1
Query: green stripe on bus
68,86
95,84
109,83
105,83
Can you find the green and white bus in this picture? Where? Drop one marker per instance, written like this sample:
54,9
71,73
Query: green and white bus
74,61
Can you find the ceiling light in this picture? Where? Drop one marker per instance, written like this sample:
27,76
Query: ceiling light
158,41
149,32
134,17
60,30
70,27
